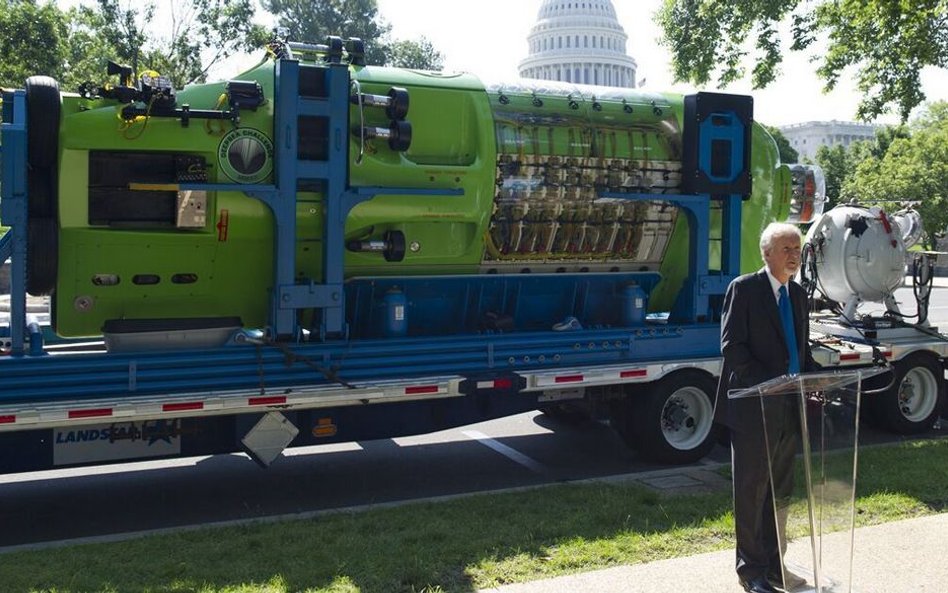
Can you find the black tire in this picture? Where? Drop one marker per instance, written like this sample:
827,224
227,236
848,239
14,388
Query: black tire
41,185
917,398
42,256
43,107
671,421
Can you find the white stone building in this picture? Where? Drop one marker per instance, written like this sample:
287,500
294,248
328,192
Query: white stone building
806,137
580,42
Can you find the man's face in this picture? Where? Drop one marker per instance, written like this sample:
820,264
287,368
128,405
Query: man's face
783,257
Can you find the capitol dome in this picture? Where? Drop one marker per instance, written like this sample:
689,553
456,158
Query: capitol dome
579,42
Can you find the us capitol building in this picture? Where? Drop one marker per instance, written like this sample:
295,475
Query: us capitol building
579,42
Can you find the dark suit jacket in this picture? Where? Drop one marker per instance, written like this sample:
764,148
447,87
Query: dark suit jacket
752,339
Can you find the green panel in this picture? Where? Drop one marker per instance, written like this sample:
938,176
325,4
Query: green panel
452,147
233,275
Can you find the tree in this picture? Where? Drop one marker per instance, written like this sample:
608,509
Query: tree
839,164
884,138
913,170
304,20
888,42
34,41
418,55
73,46
788,154
202,33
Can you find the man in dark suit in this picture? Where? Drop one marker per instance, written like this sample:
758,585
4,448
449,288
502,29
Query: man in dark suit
757,347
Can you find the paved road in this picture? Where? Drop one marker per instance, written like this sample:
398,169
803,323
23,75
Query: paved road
518,451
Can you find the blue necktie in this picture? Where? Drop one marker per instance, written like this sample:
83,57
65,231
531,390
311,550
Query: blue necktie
789,334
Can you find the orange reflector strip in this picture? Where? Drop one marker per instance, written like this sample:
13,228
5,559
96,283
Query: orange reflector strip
7,419
324,428
568,379
635,373
90,413
421,389
854,356
182,406
266,401
324,431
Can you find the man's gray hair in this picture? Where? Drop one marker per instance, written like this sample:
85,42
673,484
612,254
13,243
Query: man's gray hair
777,230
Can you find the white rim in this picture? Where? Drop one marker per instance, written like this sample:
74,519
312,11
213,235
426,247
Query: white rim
687,418
918,394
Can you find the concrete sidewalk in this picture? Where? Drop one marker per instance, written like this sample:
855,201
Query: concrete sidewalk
899,557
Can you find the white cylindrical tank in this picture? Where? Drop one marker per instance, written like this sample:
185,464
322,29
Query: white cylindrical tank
859,254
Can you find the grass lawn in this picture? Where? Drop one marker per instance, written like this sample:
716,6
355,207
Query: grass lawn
455,546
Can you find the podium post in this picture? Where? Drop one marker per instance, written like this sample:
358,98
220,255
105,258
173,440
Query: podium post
811,435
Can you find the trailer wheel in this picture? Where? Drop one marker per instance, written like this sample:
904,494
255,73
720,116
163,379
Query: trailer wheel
916,399
673,422
43,106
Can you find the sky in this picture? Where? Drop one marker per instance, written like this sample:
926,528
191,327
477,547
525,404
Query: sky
489,38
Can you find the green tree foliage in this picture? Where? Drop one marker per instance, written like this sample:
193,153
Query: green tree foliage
34,41
839,163
304,20
914,170
884,138
835,162
73,46
419,55
788,154
887,42
202,33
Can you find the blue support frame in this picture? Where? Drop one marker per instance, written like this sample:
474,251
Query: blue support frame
693,300
288,296
13,210
693,304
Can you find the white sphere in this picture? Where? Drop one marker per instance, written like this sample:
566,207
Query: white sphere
859,252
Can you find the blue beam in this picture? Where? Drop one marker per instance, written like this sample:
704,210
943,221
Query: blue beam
13,210
692,301
333,316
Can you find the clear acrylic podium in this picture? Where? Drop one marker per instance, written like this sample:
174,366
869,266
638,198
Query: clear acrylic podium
815,507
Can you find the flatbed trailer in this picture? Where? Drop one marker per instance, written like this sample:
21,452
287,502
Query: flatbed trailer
345,357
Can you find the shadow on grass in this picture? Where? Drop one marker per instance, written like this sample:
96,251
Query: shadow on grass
455,546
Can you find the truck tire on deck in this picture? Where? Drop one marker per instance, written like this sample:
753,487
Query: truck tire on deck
916,398
672,420
41,186
43,106
42,256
